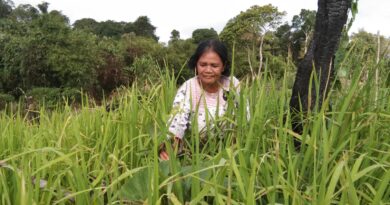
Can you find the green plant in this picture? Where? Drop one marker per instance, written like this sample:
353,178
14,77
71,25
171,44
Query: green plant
91,156
5,99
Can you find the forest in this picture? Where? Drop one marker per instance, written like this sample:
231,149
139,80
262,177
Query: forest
42,55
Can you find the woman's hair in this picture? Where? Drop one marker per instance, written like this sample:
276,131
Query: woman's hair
216,46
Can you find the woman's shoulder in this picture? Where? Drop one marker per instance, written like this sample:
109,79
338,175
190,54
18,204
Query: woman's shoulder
188,84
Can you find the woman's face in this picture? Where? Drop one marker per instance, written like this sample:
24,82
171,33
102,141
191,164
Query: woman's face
209,68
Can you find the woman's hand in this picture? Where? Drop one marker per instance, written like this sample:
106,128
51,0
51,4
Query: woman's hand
177,147
162,152
164,155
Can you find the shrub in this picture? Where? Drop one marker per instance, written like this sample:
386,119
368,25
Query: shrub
45,96
144,69
72,95
5,99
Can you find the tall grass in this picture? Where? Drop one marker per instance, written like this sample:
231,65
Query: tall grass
91,156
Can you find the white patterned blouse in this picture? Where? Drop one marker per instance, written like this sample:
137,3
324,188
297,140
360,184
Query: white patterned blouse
191,98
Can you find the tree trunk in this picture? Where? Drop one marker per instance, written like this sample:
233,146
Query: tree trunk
250,63
261,54
307,36
330,20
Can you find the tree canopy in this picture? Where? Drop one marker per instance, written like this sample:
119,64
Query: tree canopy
141,27
39,48
5,8
202,34
249,25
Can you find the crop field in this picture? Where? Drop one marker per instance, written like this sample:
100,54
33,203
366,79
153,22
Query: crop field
91,156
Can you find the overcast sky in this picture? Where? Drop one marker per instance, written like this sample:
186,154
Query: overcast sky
186,16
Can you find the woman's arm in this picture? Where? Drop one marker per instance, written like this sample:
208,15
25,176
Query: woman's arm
178,121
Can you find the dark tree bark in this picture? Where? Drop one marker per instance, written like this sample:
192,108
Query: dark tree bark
330,20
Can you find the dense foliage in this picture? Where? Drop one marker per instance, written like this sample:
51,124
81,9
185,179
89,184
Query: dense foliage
39,48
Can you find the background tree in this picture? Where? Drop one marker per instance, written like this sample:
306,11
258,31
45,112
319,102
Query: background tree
202,34
114,29
5,8
365,45
110,28
282,41
40,50
24,13
143,27
112,72
277,51
249,29
267,19
86,24
43,7
137,46
175,35
128,27
176,55
303,28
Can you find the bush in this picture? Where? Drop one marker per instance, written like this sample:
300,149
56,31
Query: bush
5,99
111,73
176,55
72,95
45,96
51,97
145,69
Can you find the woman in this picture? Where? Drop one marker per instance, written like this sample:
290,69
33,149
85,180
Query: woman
204,95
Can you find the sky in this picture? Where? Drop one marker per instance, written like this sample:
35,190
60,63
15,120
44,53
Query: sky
186,16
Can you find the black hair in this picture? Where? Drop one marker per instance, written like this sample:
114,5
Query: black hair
216,46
